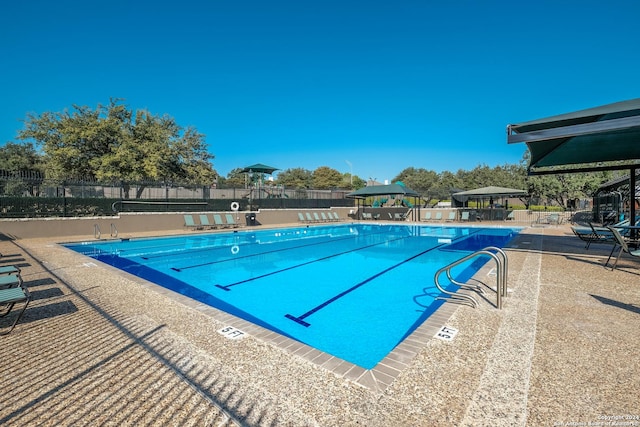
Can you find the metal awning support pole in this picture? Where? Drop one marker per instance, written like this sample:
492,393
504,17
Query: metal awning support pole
632,201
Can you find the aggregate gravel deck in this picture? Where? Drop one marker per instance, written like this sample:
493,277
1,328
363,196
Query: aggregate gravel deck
99,347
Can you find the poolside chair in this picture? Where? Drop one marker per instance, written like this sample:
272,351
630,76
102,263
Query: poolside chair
204,221
190,223
10,297
452,216
316,217
427,216
464,216
367,216
10,281
308,215
324,217
230,221
624,247
511,216
336,217
301,217
438,216
217,219
9,269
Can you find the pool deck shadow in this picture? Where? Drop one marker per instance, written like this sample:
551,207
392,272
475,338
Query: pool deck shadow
99,346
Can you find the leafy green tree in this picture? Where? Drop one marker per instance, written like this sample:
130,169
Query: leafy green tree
19,162
295,178
117,144
420,180
235,178
20,158
325,178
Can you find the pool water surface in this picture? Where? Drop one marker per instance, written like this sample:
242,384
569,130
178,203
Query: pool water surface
354,291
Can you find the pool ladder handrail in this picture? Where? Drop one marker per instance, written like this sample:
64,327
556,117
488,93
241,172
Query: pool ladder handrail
502,263
96,231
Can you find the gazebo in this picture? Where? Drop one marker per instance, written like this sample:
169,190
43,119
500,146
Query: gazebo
397,189
490,193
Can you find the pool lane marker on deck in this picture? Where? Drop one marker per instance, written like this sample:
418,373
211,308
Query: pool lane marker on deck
300,319
226,287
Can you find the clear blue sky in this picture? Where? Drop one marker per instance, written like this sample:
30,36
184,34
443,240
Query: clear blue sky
382,85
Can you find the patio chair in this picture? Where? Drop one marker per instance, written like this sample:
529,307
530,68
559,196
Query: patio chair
190,223
204,221
10,281
9,269
324,217
464,216
308,215
231,221
301,218
438,216
316,217
217,220
336,217
10,297
624,247
452,216
427,216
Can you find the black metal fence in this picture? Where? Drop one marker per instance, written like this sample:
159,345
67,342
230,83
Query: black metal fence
32,196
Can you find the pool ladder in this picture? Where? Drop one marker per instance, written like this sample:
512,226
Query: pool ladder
97,233
502,264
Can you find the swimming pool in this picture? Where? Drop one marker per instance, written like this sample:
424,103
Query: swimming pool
351,290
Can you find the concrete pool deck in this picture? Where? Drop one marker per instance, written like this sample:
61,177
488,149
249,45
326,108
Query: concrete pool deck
97,346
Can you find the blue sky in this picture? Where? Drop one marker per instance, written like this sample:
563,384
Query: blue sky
368,87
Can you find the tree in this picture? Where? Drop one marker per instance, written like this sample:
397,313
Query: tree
20,158
325,178
20,163
420,180
295,178
235,178
117,144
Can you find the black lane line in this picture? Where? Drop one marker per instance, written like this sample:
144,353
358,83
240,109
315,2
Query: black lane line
350,237
300,319
226,288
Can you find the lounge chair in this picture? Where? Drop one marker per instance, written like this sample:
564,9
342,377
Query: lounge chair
230,221
593,234
190,223
9,269
10,281
511,216
367,216
427,216
624,247
308,215
438,216
10,297
464,216
204,222
217,220
452,216
301,218
336,217
316,217
324,217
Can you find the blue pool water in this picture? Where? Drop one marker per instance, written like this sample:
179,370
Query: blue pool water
352,290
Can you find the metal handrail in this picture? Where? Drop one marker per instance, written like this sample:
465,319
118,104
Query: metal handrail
114,230
500,257
96,231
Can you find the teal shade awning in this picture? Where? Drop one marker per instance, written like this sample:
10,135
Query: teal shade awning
600,138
